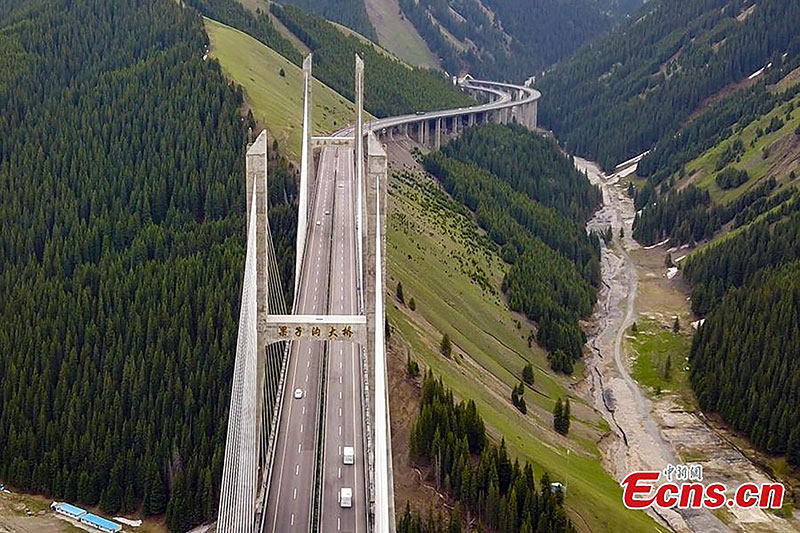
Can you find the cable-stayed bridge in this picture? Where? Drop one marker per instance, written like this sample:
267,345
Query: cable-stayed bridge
308,445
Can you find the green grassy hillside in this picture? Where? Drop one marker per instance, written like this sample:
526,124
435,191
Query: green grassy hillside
772,154
454,273
398,35
276,101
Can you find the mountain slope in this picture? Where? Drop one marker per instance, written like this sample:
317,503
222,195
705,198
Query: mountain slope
275,99
746,168
724,175
509,39
122,202
398,35
454,274
393,88
617,98
350,13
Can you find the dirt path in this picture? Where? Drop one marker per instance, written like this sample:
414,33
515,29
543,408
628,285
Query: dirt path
613,391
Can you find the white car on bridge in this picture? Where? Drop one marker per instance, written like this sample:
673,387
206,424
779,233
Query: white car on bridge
349,455
346,497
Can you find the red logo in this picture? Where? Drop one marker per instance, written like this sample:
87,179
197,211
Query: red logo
641,490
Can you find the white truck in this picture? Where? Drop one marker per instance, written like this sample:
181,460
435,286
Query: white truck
346,497
349,455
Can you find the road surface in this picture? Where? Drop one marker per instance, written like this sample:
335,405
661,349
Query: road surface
343,413
290,501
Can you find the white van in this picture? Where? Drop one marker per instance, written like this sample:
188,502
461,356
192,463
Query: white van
349,455
346,497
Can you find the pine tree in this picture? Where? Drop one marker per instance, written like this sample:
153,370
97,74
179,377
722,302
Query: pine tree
517,397
156,500
111,499
676,325
399,292
178,508
793,447
558,415
412,304
445,347
527,374
412,367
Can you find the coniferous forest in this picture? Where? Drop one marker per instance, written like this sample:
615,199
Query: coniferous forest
509,39
122,201
746,360
532,203
257,25
450,437
350,13
394,88
621,95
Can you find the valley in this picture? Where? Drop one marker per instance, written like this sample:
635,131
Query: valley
654,428
453,273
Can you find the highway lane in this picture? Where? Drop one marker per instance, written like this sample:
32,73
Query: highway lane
291,497
343,411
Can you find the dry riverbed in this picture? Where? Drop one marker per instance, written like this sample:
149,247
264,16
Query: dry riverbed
654,428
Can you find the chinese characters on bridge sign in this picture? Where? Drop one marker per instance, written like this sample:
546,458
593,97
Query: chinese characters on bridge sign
315,332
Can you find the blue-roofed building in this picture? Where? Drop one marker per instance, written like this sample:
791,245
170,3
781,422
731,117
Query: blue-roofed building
98,522
68,510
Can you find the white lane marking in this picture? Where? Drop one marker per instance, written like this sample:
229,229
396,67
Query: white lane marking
306,378
296,469
338,523
298,447
340,431
308,363
340,379
292,519
301,428
304,410
294,494
285,444
340,395
340,411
